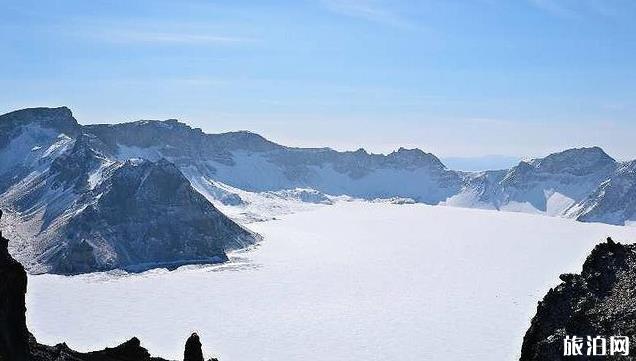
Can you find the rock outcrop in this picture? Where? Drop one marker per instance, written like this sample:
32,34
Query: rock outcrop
598,302
17,344
130,350
14,335
192,350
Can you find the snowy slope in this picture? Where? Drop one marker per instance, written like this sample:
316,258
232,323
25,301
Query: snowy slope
550,185
614,201
73,207
353,281
249,162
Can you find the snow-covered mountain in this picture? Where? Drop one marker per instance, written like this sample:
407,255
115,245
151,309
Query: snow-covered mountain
556,185
249,162
128,195
76,208
613,201
552,185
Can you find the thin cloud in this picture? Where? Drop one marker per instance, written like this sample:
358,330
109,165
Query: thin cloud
368,10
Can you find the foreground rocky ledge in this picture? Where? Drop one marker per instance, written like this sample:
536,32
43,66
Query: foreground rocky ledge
18,344
598,302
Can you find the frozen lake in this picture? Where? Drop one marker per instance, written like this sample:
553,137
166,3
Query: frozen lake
353,281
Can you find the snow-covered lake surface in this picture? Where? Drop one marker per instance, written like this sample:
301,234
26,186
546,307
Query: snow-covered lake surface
352,281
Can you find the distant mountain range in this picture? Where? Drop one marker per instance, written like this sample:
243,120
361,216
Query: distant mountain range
136,195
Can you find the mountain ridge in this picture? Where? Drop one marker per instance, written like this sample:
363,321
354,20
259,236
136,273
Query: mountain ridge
221,156
53,172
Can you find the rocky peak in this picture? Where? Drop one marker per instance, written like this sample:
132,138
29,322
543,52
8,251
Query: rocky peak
56,118
192,350
577,161
132,224
60,119
596,302
240,140
414,158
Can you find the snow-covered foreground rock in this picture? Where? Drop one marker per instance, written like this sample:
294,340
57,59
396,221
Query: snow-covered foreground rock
353,281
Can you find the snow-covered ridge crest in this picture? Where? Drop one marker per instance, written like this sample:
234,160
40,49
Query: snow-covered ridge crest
252,178
555,185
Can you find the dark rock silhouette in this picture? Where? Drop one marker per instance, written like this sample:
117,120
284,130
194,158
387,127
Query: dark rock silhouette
193,349
17,344
597,302
14,335
130,350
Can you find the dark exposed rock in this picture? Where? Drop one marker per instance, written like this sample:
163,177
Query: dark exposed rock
17,344
578,161
147,215
598,302
13,331
99,214
193,349
130,350
58,119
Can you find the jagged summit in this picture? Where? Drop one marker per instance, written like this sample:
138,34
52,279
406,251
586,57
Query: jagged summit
576,161
415,157
597,302
555,185
193,350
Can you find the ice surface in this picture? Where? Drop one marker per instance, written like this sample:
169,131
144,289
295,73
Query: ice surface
351,281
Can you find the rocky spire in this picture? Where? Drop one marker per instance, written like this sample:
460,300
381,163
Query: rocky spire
193,349
14,336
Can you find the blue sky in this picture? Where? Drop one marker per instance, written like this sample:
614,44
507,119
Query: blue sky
457,78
